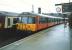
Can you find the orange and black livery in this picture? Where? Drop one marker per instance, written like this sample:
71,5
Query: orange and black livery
35,22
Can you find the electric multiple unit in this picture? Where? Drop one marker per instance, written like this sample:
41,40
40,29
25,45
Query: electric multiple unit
35,22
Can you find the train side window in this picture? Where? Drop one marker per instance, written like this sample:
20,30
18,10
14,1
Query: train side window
40,20
54,19
15,20
34,19
8,21
57,20
43,20
19,20
48,20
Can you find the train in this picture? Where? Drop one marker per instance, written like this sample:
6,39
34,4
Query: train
8,19
27,21
32,22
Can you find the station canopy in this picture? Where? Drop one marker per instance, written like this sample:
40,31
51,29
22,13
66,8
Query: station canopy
66,7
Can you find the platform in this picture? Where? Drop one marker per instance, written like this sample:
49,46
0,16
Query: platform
54,38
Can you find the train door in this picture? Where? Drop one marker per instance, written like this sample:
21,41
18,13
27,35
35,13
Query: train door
9,22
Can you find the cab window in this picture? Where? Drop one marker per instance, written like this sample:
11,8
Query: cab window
31,20
24,20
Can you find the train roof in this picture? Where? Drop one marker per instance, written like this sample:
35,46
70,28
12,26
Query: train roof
4,13
50,16
34,14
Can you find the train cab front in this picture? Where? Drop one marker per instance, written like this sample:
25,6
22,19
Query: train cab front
27,24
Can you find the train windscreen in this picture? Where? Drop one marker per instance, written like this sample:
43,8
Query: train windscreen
31,20
24,20
28,20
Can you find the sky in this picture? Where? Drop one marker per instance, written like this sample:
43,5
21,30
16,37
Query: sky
18,6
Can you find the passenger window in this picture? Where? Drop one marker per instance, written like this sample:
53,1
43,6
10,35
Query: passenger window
51,19
15,20
8,21
48,20
43,20
19,20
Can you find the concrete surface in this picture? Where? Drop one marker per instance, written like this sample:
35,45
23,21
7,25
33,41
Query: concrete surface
54,38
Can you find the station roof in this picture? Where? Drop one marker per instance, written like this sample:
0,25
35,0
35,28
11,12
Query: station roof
63,4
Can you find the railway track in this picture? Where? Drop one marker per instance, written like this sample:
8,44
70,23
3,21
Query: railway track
8,36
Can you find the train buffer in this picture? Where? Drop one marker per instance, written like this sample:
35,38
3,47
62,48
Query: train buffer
54,38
